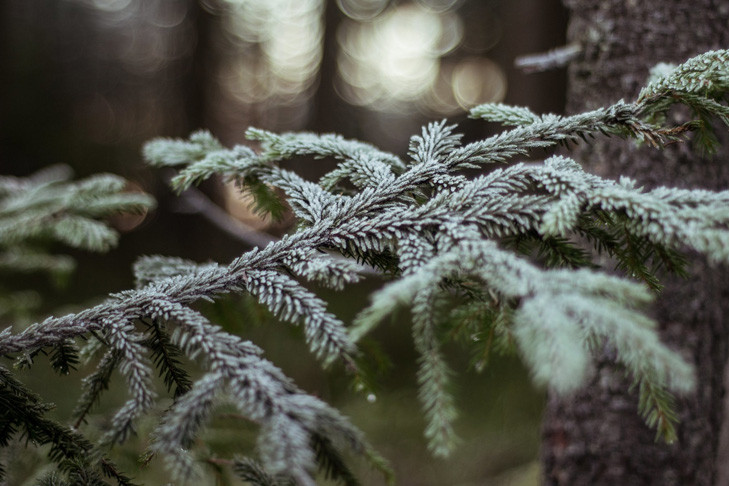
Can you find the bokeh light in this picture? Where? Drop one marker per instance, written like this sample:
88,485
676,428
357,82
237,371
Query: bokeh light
478,80
278,49
362,10
399,60
394,59
439,5
391,57
111,5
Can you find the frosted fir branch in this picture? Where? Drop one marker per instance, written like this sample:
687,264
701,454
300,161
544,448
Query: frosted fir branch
436,141
622,119
433,376
363,171
251,172
701,83
289,145
251,471
704,74
662,218
287,299
438,234
257,388
324,269
136,369
201,144
54,173
187,288
182,421
549,299
671,217
50,207
284,446
568,193
181,289
28,260
553,345
505,114
93,386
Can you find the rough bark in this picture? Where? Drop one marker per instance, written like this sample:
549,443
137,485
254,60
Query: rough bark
596,437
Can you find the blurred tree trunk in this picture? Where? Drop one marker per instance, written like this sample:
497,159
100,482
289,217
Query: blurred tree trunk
198,76
596,436
328,106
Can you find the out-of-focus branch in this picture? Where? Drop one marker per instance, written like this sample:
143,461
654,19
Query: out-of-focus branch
544,61
194,201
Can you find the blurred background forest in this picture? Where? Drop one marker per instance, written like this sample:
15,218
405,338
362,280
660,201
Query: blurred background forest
87,82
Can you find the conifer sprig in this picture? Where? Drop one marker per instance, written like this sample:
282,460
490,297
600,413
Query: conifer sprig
442,237
23,413
48,207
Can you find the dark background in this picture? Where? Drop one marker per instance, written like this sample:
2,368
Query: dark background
87,82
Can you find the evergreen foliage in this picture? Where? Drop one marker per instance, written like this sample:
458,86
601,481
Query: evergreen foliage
47,207
514,257
36,212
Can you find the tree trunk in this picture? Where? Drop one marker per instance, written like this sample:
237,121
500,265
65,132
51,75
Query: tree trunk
329,110
596,436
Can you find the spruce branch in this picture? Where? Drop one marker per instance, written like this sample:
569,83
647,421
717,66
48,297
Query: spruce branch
506,243
23,412
552,201
93,386
50,207
433,376
251,471
134,366
166,357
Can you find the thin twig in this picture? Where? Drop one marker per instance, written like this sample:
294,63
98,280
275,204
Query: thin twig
218,461
193,200
555,58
